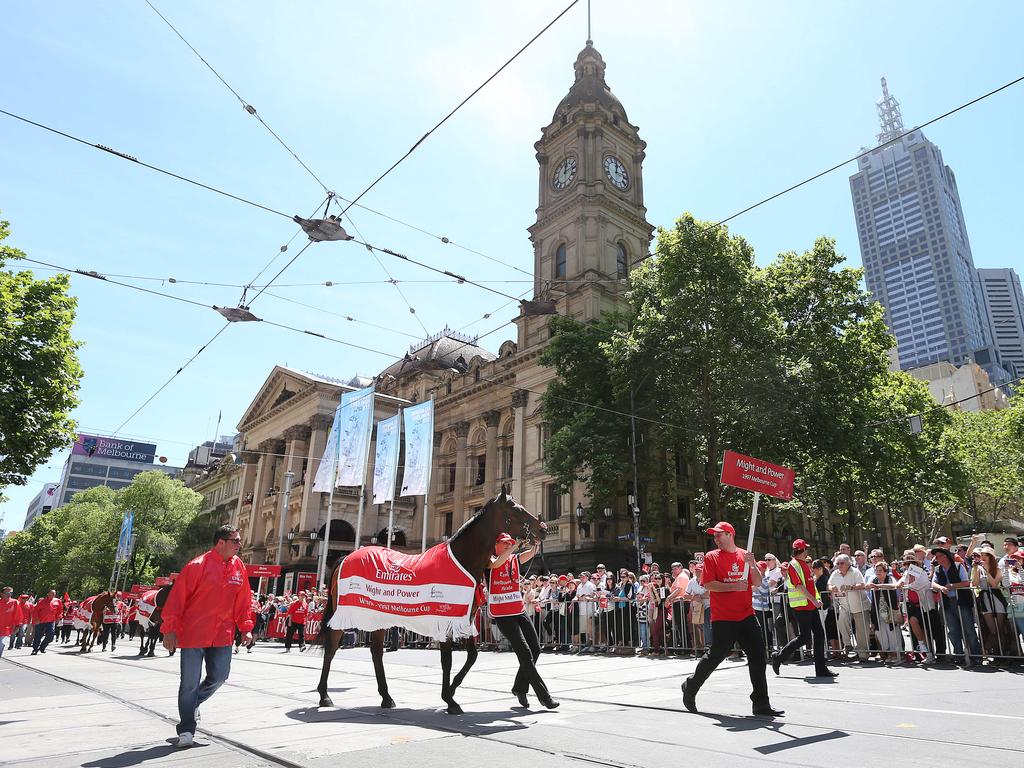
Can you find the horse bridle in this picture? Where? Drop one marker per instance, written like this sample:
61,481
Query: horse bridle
525,528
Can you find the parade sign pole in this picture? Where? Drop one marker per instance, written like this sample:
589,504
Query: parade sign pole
758,476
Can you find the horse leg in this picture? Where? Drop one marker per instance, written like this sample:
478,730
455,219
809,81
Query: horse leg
331,639
377,652
471,654
447,691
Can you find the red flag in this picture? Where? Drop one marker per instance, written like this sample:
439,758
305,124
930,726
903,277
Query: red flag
67,597
645,568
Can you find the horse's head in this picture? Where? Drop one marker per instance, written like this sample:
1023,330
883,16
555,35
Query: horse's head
518,520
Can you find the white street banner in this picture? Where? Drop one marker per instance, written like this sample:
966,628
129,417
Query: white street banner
385,461
328,468
419,448
124,539
354,444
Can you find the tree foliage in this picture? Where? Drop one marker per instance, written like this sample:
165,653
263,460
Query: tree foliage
72,548
787,362
39,370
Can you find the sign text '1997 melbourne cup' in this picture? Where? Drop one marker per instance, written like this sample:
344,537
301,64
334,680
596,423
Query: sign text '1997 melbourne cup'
755,475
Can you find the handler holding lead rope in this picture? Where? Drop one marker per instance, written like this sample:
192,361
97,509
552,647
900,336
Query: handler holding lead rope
505,603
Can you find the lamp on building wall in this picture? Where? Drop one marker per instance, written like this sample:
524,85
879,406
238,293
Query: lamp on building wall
581,524
608,512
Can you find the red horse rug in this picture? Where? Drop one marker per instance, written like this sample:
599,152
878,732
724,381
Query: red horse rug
430,594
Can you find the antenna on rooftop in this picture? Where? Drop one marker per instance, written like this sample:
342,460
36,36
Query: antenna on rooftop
889,116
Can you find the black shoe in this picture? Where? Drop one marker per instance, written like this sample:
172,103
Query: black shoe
42,650
550,703
765,710
524,702
826,673
776,663
33,653
689,697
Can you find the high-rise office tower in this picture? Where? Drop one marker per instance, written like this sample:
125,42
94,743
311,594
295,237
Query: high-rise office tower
1004,303
914,246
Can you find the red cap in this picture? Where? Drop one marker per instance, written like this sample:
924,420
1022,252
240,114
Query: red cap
800,544
504,538
723,527
1018,555
762,564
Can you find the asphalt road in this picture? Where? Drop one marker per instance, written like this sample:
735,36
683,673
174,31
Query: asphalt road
112,710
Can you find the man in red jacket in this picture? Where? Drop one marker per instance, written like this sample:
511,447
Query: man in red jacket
211,596
297,613
44,614
10,616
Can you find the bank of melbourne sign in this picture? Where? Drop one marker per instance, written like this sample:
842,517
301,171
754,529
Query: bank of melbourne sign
108,448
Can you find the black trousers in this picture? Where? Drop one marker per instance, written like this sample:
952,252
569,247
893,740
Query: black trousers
110,632
810,627
725,634
523,638
292,629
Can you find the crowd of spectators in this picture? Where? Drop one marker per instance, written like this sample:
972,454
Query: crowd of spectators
946,602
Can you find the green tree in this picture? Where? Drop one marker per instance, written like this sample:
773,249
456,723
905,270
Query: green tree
39,370
73,547
990,447
787,362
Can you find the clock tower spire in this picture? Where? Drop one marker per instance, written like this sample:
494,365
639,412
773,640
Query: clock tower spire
591,220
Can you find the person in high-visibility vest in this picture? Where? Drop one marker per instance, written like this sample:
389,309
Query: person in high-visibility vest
507,609
804,601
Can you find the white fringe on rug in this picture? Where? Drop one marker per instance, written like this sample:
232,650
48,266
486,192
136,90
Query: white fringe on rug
368,620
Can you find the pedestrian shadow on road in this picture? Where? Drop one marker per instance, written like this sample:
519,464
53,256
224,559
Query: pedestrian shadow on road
469,723
740,724
136,756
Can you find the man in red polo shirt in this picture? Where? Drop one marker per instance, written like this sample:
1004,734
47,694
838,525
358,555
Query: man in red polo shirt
732,619
44,614
297,613
210,597
10,616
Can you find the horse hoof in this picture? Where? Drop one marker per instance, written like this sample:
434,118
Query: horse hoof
387,703
454,709
326,702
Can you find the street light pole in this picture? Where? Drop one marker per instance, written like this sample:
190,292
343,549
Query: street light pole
634,499
282,519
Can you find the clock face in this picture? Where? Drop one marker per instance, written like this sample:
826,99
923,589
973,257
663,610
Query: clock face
616,172
564,173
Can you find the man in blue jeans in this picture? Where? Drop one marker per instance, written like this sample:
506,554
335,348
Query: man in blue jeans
210,597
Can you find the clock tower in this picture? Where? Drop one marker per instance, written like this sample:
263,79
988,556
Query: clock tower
591,221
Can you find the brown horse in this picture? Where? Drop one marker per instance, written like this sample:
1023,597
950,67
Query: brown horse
472,546
95,622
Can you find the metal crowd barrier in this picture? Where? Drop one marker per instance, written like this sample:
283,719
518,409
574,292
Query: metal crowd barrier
971,629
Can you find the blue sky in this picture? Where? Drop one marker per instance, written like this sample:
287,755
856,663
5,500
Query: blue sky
735,100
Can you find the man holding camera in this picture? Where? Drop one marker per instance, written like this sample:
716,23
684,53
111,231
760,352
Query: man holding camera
729,574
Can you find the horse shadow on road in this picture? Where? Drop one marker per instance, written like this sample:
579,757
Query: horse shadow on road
469,723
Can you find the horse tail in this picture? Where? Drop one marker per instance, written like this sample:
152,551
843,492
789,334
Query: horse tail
332,600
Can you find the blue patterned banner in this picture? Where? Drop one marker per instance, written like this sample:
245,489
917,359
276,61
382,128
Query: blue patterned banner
419,448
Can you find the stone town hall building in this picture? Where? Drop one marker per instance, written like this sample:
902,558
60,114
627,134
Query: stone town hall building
489,428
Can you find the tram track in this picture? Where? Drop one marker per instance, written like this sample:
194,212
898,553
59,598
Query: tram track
394,716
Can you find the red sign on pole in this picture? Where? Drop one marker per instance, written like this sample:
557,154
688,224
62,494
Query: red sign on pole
753,474
162,581
260,571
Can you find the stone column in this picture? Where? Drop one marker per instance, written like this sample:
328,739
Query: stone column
296,445
520,398
320,426
461,473
270,465
491,419
250,461
259,490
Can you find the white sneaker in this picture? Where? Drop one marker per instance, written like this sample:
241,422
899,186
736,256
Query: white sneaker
185,740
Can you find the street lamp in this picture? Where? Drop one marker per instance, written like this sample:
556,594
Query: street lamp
608,512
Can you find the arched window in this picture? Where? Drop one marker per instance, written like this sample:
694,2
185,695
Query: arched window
621,262
560,261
